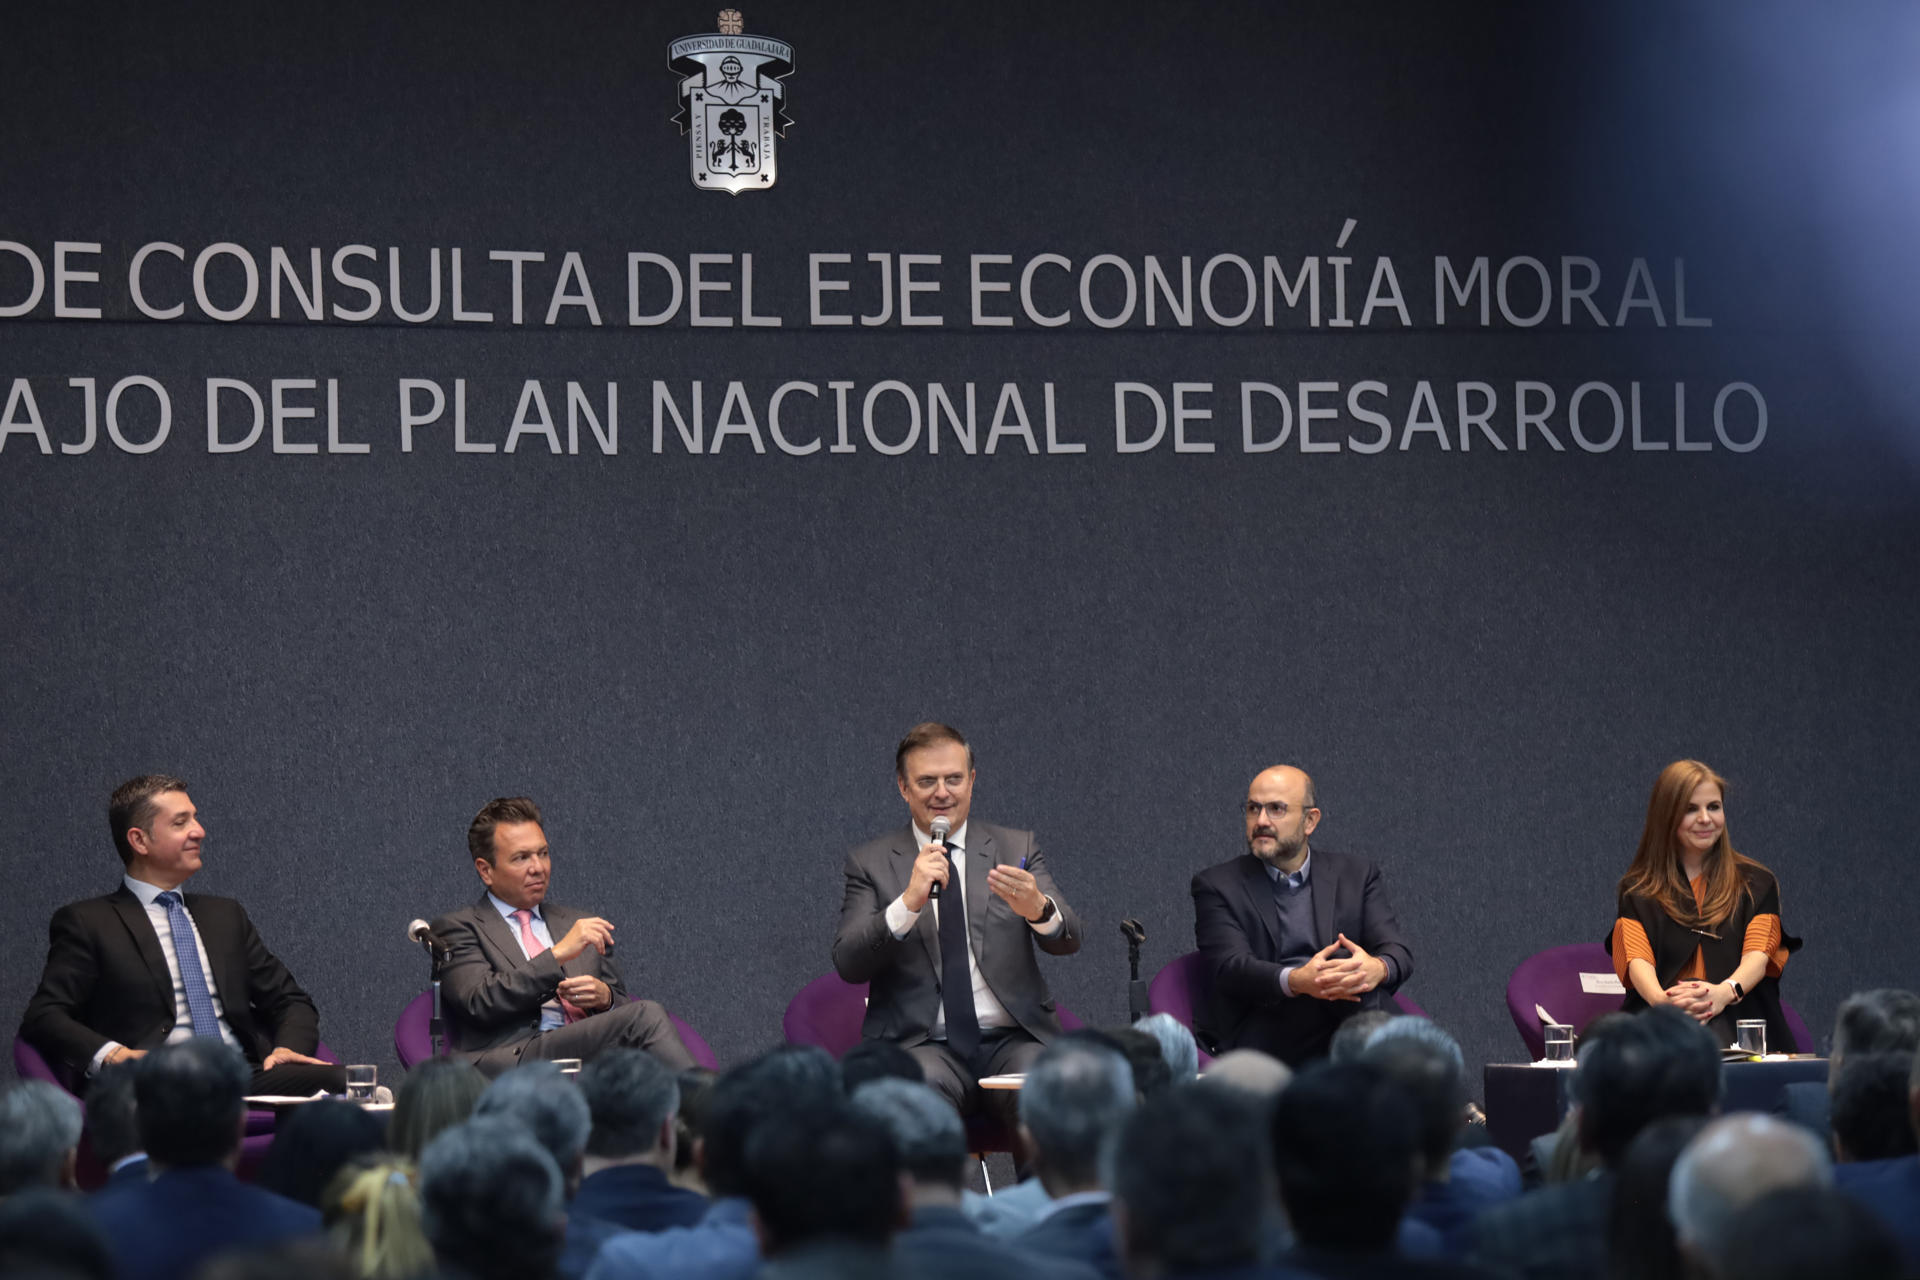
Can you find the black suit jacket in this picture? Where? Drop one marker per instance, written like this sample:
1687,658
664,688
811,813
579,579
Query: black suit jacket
490,993
1237,927
904,974
106,979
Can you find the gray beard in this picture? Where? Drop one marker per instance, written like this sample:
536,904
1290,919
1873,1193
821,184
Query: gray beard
1285,851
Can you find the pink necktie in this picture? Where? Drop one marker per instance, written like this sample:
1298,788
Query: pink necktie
533,947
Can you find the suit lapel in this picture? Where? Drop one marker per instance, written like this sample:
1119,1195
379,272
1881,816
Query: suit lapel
146,942
1324,884
229,980
1258,887
905,850
980,856
494,928
559,920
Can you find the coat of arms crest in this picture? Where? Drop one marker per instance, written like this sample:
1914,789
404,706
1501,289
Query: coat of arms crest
730,104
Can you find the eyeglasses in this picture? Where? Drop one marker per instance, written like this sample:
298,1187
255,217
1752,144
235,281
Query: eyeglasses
1276,809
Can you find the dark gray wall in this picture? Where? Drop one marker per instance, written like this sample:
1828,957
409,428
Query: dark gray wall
700,665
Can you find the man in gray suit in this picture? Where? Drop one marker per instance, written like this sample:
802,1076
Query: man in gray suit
953,974
523,980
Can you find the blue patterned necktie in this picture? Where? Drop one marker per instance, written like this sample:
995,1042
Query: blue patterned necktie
193,976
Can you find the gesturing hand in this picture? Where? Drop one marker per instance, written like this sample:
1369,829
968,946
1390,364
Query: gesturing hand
587,931
586,993
1021,892
929,869
283,1055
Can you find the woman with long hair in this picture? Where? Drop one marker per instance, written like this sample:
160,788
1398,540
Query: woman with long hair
1699,924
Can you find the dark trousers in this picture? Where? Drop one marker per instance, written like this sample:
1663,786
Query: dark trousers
299,1079
1002,1052
641,1024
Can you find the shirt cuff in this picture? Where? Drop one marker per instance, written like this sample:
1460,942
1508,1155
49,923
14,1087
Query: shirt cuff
1286,976
100,1057
1055,923
900,920
1393,972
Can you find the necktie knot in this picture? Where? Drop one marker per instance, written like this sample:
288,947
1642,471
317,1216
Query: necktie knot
168,898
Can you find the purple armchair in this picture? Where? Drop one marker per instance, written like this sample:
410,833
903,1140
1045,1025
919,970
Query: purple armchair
413,1042
1183,984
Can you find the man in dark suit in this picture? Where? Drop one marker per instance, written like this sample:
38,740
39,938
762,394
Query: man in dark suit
147,964
192,1118
1297,939
524,980
633,1099
958,985
113,1124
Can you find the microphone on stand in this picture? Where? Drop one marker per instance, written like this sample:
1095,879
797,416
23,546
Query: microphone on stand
941,826
421,932
1135,933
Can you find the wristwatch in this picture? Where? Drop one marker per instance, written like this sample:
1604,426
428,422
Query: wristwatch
1047,913
1739,992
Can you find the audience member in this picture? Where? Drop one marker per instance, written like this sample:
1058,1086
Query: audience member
436,1095
878,1060
1192,1189
1640,1240
295,1260
1151,1076
1632,1071
372,1213
312,1143
1808,1233
1251,1071
633,1099
1177,1045
1733,1162
113,1124
553,1109
1354,1033
492,1201
1891,1187
1074,1101
696,1090
940,1242
1457,1183
46,1231
190,1096
722,1245
1884,1020
826,1191
1870,1108
39,1136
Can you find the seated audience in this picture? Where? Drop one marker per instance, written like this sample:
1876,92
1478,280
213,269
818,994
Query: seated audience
1457,1183
878,1060
1808,1233
633,1099
436,1095
940,1242
1191,1184
554,1111
1632,1071
1151,1075
696,1090
826,1192
372,1214
1889,1187
1354,1033
1640,1240
190,1096
1250,1071
492,1202
312,1143
295,1260
1884,1020
722,1245
1732,1163
39,1136
113,1124
48,1232
1177,1045
1870,1108
1076,1096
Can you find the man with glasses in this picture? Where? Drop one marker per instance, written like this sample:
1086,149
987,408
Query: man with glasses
1297,939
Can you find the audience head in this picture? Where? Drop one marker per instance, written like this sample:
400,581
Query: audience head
1872,1115
690,1125
926,1132
1177,1045
1250,1071
820,1174
310,1146
191,1099
1151,1076
113,1121
551,1108
878,1060
1353,1034
790,1078
437,1094
372,1212
1346,1153
132,805
46,1231
1076,1096
492,1200
1733,1162
632,1098
1884,1020
1428,1064
1809,1233
1640,1240
39,1136
1639,1068
1191,1184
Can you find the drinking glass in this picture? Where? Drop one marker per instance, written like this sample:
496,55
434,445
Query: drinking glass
1750,1036
568,1066
361,1079
1559,1042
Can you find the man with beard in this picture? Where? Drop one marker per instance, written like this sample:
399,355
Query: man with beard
1296,939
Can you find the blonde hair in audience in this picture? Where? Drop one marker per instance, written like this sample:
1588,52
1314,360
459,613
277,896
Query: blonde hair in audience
372,1211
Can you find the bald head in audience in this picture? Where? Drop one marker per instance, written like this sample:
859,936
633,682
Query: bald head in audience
1736,1160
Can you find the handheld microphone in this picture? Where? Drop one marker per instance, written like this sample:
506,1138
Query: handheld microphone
941,827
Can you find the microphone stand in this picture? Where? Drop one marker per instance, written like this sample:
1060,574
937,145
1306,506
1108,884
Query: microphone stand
1135,934
436,1027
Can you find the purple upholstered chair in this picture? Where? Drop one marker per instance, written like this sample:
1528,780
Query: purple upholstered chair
1183,984
413,1043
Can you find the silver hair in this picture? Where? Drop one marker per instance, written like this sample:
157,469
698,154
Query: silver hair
924,1126
1734,1161
39,1125
1074,1101
492,1199
1423,1031
1176,1044
548,1104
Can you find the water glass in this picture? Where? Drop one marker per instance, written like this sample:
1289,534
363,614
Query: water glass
1559,1042
1750,1036
568,1066
361,1079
